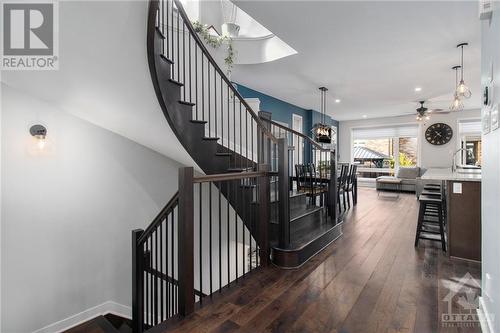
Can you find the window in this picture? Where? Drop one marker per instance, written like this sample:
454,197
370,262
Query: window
470,139
379,151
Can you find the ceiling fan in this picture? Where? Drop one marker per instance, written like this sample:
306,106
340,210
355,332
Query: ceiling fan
425,113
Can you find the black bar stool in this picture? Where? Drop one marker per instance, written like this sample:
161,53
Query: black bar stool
431,219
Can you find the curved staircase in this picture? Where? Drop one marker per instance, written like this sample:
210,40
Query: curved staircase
243,204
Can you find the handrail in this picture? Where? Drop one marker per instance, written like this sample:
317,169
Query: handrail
299,134
228,176
159,218
202,46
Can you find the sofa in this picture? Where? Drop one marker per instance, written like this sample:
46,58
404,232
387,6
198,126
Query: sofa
409,176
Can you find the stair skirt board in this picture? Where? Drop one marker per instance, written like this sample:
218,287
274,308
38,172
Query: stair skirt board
86,315
294,258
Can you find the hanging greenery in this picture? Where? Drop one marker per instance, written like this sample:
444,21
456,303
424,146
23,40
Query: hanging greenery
216,42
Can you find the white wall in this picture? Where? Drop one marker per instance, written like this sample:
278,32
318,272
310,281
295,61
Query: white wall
491,180
429,155
67,215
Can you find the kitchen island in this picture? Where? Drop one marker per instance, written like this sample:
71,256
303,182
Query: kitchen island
462,190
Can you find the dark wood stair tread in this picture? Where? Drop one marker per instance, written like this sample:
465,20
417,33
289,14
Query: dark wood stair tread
164,57
160,33
210,138
187,103
223,154
176,82
194,121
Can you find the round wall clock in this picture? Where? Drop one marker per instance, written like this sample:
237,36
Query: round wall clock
438,134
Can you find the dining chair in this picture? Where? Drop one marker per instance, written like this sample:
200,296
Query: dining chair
350,183
341,187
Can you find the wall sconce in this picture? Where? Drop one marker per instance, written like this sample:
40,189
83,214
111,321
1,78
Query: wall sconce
39,132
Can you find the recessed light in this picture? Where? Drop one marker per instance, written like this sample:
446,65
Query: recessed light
365,116
418,89
337,100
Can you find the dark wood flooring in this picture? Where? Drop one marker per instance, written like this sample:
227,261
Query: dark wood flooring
372,279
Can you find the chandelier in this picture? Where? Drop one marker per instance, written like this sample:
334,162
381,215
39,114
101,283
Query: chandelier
322,131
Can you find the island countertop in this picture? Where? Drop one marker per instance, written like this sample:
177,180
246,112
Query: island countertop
471,175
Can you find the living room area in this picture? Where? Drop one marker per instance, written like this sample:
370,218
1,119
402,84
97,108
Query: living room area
396,147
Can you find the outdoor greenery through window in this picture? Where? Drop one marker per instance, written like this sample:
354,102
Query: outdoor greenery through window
379,157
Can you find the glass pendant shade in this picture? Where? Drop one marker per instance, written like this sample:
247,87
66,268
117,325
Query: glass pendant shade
457,104
462,90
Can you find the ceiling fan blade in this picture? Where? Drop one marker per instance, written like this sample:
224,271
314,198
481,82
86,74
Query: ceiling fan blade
441,111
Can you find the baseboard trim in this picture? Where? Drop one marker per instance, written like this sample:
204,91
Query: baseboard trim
86,315
484,317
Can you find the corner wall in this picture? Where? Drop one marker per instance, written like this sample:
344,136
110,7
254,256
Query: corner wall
429,156
490,187
67,214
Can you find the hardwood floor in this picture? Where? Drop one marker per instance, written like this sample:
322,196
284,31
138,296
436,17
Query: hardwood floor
372,279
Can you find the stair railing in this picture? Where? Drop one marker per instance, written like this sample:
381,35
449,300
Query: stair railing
205,87
155,271
302,150
199,245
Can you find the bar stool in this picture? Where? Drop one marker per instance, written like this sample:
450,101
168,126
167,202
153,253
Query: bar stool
431,220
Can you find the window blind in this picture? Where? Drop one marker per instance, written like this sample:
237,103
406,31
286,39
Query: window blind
470,127
385,132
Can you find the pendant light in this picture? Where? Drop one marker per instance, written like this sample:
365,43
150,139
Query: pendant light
322,131
457,103
462,90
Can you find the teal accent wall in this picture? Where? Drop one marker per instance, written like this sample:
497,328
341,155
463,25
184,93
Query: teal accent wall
282,111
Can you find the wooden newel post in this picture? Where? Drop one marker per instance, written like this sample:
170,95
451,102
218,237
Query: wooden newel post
137,282
283,194
264,214
332,188
186,242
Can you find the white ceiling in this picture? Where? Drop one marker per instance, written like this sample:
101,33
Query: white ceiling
370,54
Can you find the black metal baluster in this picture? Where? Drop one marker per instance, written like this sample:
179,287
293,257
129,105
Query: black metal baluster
246,137
208,94
151,298
172,29
167,268
173,307
253,153
222,110
236,228
146,317
210,233
241,153
178,49
203,87
162,13
190,71
220,235
184,59
168,33
201,241
156,279
228,126
243,222
161,271
196,78
234,126
227,234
